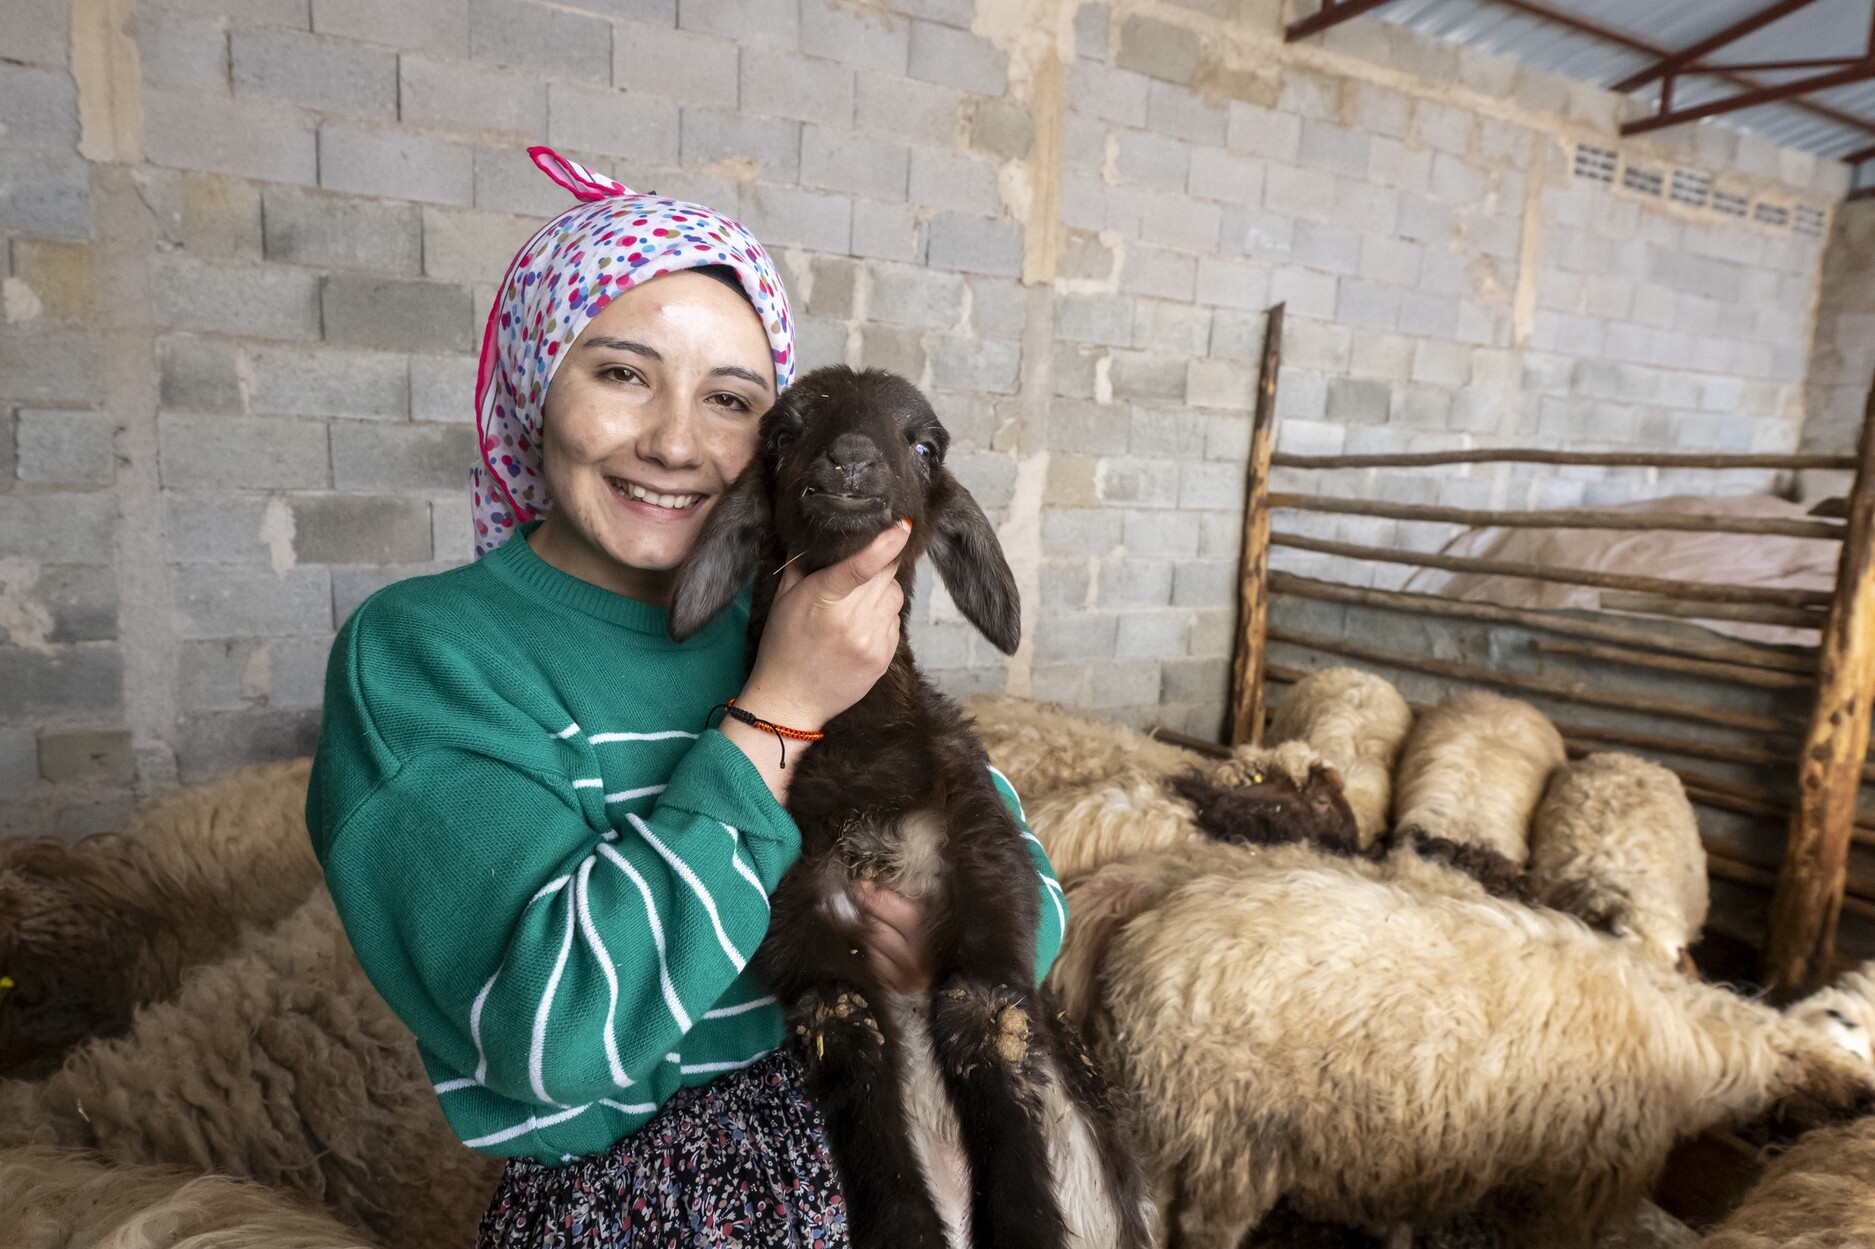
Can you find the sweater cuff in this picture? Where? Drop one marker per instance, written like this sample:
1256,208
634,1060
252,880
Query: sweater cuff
717,781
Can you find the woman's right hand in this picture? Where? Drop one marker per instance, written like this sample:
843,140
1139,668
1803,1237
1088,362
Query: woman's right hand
830,636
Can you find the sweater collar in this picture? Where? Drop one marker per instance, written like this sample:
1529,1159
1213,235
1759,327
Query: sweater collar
516,563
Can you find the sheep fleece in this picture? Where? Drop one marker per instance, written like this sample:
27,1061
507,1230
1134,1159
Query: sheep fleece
1473,771
1820,1194
1045,750
279,1064
1357,722
1383,1054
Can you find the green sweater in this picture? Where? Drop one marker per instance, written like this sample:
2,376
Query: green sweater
551,871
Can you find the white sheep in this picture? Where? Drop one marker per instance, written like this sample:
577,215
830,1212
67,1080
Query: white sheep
1844,1011
1043,749
281,1064
1472,772
1818,1194
1381,1054
1357,722
63,1199
1615,843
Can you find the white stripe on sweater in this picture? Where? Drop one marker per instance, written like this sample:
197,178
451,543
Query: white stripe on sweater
740,1008
748,873
450,1086
534,1123
589,782
583,900
551,887
696,886
537,1048
1012,790
600,739
657,935
567,732
642,1108
475,1027
626,795
692,1069
1055,895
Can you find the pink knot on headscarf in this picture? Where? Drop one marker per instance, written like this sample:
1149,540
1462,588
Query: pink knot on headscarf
565,276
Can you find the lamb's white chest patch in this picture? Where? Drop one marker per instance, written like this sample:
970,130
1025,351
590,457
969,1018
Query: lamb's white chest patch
905,853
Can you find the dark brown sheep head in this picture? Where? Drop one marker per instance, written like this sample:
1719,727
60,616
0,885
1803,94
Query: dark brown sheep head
843,455
1263,803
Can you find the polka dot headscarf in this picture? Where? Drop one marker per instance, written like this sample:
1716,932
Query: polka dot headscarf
565,275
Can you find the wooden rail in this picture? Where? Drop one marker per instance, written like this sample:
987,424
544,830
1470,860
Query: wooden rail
1809,894
1253,607
1561,518
1602,459
1704,669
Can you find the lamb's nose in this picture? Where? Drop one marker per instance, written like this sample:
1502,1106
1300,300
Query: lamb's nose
851,455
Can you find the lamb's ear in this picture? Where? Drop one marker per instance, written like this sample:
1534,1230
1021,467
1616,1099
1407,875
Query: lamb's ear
970,559
731,543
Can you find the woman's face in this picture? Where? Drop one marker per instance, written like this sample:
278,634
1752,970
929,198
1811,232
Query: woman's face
650,417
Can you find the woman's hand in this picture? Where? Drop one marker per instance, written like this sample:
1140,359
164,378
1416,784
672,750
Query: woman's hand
897,941
830,636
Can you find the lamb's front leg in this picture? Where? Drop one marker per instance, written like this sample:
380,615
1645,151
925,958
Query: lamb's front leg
992,1058
852,1074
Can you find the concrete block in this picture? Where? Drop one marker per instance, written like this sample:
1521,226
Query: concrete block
1206,583
1174,110
1389,260
86,756
366,385
1151,634
1139,482
19,771
327,231
970,364
958,59
1394,164
1162,325
1220,175
834,283
953,182
397,315
1090,31
268,302
1135,583
220,675
394,165
452,531
81,684
1301,396
229,601
1328,146
783,84
219,527
1079,638
1219,384
874,41
1196,680
507,181
1088,428
1081,531
198,374
1296,192
974,245
464,97
38,108
36,32
1153,159
905,295
1367,305
1265,133
1328,248
462,245
896,349
233,453
1232,283
1147,376
1134,683
1158,49
1161,535
999,308
1165,434
989,477
349,529
1253,232
212,744
1381,110
296,671
546,38
1004,129
1158,271
66,448
46,365
678,65
786,217
287,14
772,145
62,276
1211,485
600,119
376,457
908,111
251,138
1097,91
746,21
1072,481
1172,219
435,26
442,388
840,160
1310,94
1457,182
1359,401
313,72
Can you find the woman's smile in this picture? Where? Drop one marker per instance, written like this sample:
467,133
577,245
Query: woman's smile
659,504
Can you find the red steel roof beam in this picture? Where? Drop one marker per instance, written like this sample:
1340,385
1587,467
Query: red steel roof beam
1686,56
1860,72
1333,13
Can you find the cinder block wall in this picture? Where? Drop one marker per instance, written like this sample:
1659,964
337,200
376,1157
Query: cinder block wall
1842,361
248,244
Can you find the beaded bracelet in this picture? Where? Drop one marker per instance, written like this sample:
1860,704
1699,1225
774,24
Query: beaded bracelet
783,734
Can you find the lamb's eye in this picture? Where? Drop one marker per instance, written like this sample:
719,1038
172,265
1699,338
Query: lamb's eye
1842,1019
924,449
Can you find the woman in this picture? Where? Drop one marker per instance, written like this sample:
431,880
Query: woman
549,866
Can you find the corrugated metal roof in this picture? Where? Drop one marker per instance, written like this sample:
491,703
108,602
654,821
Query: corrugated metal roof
1824,29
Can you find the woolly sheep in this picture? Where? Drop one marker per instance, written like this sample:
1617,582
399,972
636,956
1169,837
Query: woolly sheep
90,930
1844,1011
279,1064
1383,1054
1473,770
62,1199
1357,722
1819,1194
1615,843
1045,750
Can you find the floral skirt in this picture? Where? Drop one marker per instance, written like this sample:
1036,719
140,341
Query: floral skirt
742,1160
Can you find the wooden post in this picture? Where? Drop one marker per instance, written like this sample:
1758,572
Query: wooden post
1829,771
1253,603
